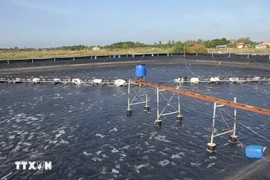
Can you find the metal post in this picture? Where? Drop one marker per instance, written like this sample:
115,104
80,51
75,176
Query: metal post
8,61
54,59
234,119
196,54
213,124
229,55
73,58
212,55
146,100
179,110
157,103
32,60
129,94
248,56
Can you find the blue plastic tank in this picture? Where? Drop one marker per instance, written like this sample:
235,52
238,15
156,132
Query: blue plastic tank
114,56
254,151
119,56
168,54
140,70
133,55
152,54
95,57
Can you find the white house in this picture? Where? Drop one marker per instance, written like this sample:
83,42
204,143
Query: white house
96,48
261,46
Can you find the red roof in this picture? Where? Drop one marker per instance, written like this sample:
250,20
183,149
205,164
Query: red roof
266,42
241,43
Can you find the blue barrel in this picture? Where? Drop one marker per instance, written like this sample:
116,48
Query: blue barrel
114,56
168,54
119,56
95,57
152,54
133,56
140,70
254,151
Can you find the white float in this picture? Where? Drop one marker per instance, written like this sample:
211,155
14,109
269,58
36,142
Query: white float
120,82
97,82
215,80
194,80
76,81
36,80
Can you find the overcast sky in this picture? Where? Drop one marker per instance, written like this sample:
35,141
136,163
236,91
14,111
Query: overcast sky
47,23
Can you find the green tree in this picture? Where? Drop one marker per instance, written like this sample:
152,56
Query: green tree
178,47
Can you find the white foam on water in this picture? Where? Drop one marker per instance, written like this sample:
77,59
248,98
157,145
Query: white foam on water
210,165
150,150
195,164
182,153
52,142
167,149
45,147
175,156
164,162
96,159
17,148
3,144
60,133
125,147
26,143
104,156
141,166
114,129
4,157
11,137
146,143
183,173
212,157
87,154
100,135
162,138
123,154
63,142
114,150
115,171
163,153
98,152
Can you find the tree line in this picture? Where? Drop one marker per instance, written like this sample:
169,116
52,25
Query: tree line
175,46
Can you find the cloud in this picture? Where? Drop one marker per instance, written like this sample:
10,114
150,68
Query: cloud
31,4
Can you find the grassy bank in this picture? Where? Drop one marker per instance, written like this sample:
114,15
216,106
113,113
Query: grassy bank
65,53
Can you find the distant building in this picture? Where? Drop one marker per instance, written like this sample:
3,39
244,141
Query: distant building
261,46
240,45
96,48
221,46
267,43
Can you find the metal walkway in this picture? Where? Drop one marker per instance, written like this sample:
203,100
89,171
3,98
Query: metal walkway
246,107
